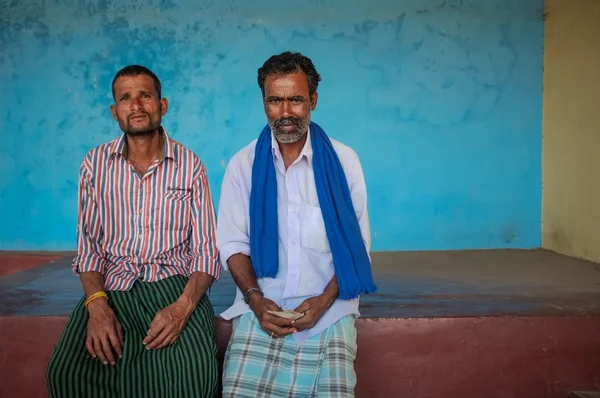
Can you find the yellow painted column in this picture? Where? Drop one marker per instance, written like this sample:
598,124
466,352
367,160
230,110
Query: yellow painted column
571,129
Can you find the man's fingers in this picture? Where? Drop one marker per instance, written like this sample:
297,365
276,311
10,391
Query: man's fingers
106,347
167,341
279,321
157,341
302,325
279,331
99,351
305,306
305,322
174,339
115,342
120,334
155,329
89,346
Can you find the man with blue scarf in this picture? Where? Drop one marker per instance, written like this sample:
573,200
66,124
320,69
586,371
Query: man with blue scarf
293,230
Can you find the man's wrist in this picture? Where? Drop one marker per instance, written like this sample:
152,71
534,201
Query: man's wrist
255,291
328,299
254,298
97,304
187,302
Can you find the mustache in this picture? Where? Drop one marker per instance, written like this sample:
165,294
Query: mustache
288,121
137,114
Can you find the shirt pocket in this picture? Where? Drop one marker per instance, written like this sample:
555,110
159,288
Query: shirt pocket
176,210
180,195
313,234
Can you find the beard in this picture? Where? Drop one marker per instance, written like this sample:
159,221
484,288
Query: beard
289,136
140,130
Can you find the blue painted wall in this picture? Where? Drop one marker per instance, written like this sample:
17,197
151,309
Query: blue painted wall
441,99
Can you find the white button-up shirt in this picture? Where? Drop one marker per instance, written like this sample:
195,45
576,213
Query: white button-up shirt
305,260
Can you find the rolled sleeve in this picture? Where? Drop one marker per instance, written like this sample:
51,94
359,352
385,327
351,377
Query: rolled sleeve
232,248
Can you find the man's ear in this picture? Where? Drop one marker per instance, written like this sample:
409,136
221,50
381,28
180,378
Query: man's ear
164,106
113,112
313,101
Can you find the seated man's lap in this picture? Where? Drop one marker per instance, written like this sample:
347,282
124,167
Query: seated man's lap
188,366
255,363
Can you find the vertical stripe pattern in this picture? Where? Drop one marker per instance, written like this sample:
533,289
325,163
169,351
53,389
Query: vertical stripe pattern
146,227
188,368
257,365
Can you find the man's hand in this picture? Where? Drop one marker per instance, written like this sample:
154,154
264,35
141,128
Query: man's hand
273,325
313,309
168,325
104,332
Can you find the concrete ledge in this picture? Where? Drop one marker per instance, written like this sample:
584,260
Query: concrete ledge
500,324
403,357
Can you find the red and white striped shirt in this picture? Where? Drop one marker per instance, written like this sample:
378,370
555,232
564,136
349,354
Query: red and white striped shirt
149,227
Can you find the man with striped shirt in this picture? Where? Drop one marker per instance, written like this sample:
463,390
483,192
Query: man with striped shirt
146,257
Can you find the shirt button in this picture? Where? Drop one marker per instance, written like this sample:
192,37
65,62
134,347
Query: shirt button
140,211
140,236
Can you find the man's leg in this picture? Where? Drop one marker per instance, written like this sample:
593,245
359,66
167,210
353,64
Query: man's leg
72,372
187,368
337,377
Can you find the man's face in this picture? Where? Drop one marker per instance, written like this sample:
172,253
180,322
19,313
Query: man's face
137,107
288,106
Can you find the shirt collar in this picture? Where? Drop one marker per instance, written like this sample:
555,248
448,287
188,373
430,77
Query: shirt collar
119,146
307,152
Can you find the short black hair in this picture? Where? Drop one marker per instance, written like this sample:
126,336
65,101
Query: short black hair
136,70
287,63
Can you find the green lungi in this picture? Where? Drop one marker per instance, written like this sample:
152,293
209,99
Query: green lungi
188,368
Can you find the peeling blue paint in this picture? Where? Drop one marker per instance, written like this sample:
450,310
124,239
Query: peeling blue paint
440,98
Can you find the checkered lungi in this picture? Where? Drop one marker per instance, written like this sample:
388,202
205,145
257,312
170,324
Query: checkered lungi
257,365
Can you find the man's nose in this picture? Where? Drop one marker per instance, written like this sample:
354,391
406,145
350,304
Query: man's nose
135,104
286,109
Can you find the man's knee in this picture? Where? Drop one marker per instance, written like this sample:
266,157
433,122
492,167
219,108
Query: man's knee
53,373
64,372
58,373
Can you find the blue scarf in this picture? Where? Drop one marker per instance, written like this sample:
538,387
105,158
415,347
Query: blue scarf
350,257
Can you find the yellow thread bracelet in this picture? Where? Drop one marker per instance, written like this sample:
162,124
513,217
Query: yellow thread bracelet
94,297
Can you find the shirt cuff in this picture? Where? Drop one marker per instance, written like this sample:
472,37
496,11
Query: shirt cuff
88,263
231,248
207,264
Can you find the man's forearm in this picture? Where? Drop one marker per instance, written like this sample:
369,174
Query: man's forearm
196,286
242,271
331,291
92,282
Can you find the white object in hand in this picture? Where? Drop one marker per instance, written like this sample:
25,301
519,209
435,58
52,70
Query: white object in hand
287,314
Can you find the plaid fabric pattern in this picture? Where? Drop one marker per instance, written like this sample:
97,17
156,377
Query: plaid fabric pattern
257,365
